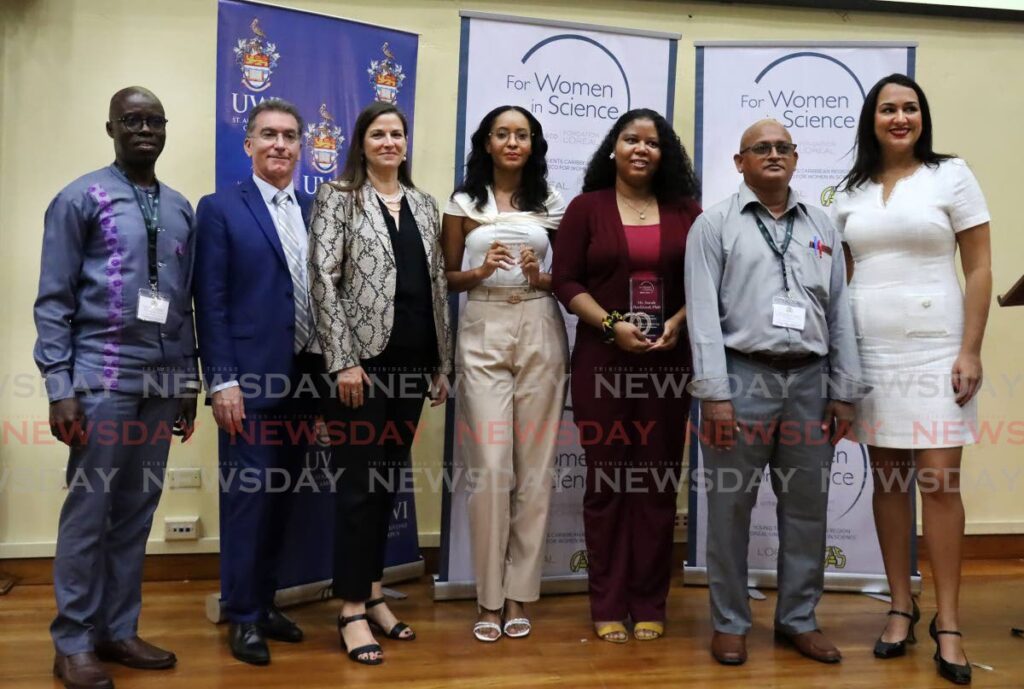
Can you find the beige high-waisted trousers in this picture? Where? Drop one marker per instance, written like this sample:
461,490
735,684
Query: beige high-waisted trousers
511,359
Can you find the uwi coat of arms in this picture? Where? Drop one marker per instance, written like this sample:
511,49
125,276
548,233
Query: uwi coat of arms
257,57
323,141
386,76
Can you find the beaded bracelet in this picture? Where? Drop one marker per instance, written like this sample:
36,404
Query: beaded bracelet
608,326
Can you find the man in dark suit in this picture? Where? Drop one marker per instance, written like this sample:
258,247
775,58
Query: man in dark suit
255,331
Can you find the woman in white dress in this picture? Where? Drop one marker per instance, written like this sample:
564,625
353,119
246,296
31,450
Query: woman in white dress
510,359
904,211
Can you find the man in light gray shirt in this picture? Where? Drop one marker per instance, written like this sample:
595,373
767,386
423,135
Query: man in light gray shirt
775,366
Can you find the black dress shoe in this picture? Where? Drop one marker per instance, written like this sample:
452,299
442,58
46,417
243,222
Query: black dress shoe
895,649
276,625
957,674
247,643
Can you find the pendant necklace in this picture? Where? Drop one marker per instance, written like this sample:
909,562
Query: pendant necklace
641,212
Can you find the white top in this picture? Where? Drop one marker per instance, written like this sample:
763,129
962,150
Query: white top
512,228
907,303
943,197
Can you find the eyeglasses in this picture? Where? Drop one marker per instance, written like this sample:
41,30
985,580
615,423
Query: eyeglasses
271,135
502,135
763,148
133,123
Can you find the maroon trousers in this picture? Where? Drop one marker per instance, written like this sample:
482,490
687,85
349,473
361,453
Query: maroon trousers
631,411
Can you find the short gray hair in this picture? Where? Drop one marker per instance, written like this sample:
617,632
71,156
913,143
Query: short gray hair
272,105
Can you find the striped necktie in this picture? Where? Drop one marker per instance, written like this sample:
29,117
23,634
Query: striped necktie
294,246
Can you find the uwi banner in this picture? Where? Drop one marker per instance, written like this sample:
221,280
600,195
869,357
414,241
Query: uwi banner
576,80
331,69
816,91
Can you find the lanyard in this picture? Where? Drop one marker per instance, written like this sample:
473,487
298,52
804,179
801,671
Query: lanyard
781,253
149,206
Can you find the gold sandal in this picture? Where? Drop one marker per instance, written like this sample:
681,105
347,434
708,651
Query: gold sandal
654,630
605,631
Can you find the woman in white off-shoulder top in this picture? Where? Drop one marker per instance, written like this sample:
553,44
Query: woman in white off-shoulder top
510,359
903,212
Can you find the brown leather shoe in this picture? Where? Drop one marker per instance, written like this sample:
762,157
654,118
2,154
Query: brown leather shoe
814,645
729,649
136,653
81,671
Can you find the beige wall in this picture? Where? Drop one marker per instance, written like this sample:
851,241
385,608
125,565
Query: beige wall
61,59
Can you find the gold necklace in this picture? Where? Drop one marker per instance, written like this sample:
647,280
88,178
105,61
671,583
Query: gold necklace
639,211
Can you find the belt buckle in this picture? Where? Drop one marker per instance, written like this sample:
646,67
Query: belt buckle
514,298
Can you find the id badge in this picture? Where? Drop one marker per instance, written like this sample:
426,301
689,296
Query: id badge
153,306
787,313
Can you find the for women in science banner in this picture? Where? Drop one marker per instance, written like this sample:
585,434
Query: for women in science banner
816,91
331,69
577,80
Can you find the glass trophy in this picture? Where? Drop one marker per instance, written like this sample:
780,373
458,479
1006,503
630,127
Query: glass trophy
646,305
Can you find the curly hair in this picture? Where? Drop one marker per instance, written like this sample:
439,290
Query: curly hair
673,180
533,188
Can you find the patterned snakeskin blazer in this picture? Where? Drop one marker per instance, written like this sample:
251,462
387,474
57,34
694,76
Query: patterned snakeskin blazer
352,274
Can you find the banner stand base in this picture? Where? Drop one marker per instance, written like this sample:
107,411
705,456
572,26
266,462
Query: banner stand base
316,590
466,590
834,581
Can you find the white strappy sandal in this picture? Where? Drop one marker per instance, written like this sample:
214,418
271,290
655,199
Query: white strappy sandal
480,627
518,622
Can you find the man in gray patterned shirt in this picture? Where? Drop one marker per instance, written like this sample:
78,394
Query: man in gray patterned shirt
775,366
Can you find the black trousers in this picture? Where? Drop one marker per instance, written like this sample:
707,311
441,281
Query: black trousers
372,444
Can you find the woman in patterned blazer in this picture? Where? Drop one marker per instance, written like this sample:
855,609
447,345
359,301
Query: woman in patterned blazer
377,283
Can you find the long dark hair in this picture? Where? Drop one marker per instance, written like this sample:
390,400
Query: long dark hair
353,175
533,188
868,162
674,178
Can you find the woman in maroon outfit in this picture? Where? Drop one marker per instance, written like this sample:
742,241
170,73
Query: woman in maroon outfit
627,231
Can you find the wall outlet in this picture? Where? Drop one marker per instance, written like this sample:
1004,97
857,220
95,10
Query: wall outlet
181,528
682,522
186,477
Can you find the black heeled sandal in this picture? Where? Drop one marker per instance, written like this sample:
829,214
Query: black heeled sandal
396,631
957,674
895,649
361,650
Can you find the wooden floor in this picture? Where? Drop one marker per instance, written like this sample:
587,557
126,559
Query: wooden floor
562,652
